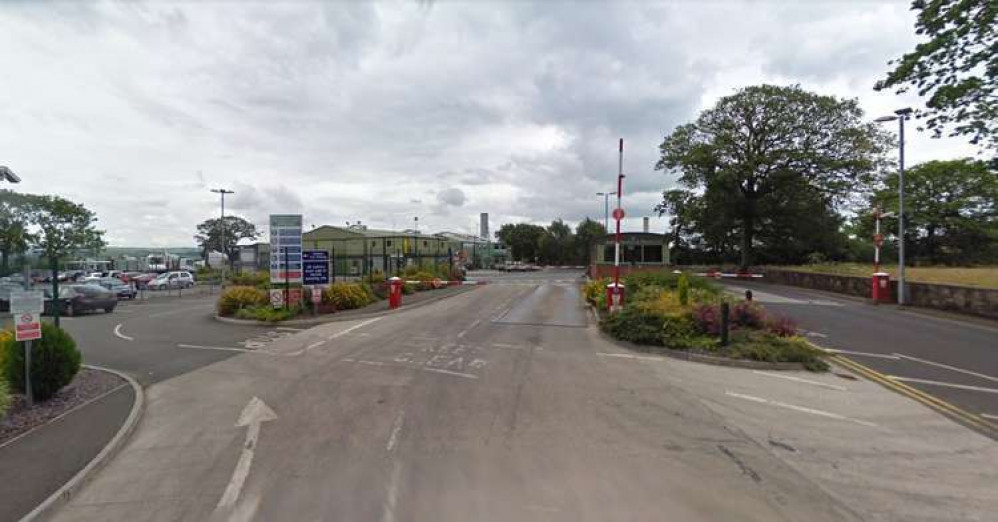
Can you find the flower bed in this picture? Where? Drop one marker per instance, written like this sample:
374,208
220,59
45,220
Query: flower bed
666,311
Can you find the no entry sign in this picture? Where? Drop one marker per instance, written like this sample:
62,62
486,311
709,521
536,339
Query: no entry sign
618,214
28,327
26,308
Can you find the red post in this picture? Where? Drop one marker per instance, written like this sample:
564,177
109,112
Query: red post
615,297
394,292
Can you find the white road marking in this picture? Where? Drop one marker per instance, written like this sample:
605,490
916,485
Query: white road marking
631,356
801,409
117,332
448,372
393,439
510,346
254,414
181,310
989,416
224,348
472,325
944,384
863,354
352,328
801,380
290,329
948,367
391,496
808,333
371,363
315,345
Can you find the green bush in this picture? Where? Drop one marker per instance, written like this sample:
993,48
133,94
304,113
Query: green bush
408,289
683,286
668,280
268,313
236,298
259,280
5,335
4,398
54,362
636,326
764,346
347,296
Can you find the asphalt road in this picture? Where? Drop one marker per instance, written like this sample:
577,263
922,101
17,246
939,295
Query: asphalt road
953,359
490,405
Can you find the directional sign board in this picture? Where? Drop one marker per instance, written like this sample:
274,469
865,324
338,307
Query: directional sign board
315,267
285,248
26,309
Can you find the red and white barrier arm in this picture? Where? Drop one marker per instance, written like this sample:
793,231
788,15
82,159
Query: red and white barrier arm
719,275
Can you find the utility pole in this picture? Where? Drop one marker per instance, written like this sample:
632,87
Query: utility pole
222,192
900,115
606,208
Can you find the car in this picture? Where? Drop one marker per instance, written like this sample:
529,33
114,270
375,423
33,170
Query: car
120,288
141,279
6,287
75,299
170,280
92,277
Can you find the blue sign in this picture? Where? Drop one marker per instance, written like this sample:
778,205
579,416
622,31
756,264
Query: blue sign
315,267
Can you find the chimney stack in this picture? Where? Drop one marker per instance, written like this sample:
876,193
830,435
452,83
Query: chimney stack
644,227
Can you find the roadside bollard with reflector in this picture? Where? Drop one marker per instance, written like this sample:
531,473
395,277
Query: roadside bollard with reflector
615,296
881,288
394,292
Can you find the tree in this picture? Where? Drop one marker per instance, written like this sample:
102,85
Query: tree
957,68
522,240
556,245
586,232
216,235
768,144
15,219
951,210
63,228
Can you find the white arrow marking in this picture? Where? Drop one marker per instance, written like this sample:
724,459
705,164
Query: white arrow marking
117,332
254,414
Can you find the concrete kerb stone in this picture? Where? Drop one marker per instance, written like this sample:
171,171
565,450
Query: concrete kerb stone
333,318
70,488
699,357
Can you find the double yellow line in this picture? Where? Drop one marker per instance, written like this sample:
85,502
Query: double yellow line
958,414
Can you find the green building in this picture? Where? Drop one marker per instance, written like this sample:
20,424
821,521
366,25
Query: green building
357,250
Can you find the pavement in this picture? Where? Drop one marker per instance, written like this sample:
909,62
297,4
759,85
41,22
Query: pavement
942,355
505,403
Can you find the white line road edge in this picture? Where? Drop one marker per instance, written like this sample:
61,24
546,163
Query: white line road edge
465,331
631,356
801,380
801,409
117,332
948,367
944,384
393,439
989,416
893,357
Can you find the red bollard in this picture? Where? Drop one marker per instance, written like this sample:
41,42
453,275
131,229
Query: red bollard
881,288
394,292
615,296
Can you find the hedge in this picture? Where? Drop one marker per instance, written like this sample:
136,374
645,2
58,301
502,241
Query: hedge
236,298
54,362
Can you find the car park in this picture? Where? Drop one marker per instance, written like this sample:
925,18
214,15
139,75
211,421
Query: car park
75,299
120,288
170,280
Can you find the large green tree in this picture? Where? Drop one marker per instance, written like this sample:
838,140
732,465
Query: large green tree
15,220
757,153
586,232
523,240
956,66
951,209
63,227
224,236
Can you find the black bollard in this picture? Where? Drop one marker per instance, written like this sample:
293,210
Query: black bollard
724,324
748,295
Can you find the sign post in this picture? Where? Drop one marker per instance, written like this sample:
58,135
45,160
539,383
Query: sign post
616,297
26,308
315,273
285,253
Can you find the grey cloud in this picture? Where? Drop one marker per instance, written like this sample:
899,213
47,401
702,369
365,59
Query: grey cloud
453,197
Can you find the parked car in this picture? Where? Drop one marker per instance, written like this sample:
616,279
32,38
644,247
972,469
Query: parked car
6,287
141,280
170,280
120,288
81,298
92,277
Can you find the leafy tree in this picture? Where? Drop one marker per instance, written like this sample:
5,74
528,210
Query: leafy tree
63,228
216,235
522,239
15,220
951,210
957,67
763,146
586,232
556,245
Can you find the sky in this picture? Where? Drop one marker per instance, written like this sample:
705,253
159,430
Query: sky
383,112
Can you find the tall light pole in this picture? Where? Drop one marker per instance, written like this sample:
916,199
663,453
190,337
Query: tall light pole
606,208
8,175
222,192
900,115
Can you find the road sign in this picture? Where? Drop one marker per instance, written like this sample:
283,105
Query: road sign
878,239
277,296
28,326
618,214
285,248
26,301
315,267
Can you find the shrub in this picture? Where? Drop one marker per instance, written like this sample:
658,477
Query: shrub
380,291
4,336
683,286
408,289
54,362
764,346
4,398
748,315
707,318
236,298
781,326
259,280
347,296
268,313
375,277
634,325
667,280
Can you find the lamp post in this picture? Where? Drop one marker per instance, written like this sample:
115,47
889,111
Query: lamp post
606,208
900,115
8,175
222,192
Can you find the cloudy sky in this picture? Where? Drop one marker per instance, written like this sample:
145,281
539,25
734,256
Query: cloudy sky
382,112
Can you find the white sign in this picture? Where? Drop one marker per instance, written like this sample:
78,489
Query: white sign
26,301
285,248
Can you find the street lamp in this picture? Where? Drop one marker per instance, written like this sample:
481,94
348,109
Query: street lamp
606,208
8,175
222,192
900,115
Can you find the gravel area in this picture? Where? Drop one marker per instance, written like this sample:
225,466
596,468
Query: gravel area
87,385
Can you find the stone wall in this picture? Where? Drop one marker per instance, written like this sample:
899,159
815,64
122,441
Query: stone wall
963,299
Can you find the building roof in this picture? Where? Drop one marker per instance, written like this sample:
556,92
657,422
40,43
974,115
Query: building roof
370,232
458,236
